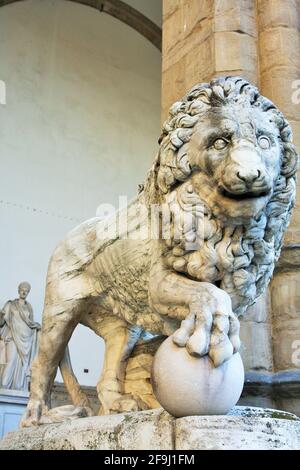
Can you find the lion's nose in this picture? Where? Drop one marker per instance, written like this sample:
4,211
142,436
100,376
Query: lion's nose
248,176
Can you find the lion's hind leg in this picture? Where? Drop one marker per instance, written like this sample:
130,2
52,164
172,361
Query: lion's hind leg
59,321
120,339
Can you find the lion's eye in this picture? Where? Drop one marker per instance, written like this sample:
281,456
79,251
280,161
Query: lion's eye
220,144
264,142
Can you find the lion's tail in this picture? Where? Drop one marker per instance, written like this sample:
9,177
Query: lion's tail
78,397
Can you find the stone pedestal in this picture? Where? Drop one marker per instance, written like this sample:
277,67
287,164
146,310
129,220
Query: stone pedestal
243,428
12,407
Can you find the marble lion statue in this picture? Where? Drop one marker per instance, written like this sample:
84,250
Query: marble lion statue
226,165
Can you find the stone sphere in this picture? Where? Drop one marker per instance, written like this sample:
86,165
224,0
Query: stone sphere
185,385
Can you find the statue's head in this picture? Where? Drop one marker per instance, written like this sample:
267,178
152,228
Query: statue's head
236,140
24,289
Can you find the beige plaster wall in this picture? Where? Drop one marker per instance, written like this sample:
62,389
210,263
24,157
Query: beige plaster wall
79,128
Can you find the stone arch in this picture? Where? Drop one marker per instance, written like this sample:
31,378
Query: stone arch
123,12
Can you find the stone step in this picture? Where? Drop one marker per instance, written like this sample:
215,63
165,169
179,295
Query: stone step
243,428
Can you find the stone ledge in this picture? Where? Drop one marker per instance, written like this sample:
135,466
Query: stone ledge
281,384
244,428
19,397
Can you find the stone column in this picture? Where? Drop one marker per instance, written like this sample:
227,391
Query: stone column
188,47
202,39
259,40
279,59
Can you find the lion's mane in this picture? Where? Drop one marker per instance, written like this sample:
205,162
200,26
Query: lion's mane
239,259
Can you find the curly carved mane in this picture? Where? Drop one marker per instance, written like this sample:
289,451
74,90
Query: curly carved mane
239,259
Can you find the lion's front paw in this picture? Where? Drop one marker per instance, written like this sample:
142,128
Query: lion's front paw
211,330
33,414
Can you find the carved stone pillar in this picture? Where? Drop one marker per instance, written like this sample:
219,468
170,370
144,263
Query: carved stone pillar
279,59
205,39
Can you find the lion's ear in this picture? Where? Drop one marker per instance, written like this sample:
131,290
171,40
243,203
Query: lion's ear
290,160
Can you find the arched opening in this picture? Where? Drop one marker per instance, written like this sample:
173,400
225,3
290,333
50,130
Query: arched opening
123,12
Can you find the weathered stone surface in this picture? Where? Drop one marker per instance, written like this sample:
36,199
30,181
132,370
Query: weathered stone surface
235,15
144,430
279,390
177,68
290,256
256,348
234,51
244,428
60,397
286,319
276,12
289,403
296,130
138,373
187,33
260,311
249,431
205,39
256,338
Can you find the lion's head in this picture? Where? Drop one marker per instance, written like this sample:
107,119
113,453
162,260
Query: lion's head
232,148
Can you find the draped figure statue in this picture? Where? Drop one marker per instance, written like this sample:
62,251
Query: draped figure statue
19,341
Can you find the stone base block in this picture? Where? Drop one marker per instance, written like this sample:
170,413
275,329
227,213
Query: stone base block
243,428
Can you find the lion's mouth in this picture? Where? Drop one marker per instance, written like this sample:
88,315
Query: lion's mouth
243,196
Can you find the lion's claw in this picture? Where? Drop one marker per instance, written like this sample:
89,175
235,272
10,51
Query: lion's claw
182,335
211,332
198,343
221,352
